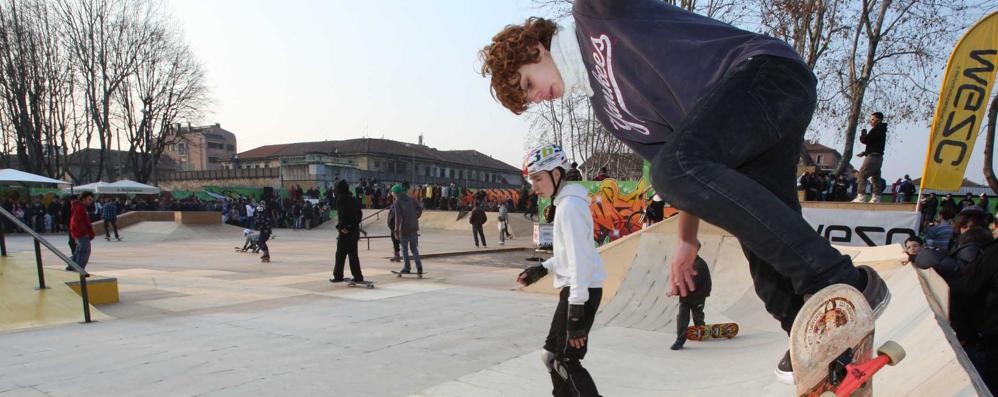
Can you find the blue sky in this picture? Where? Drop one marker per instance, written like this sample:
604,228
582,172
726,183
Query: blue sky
301,70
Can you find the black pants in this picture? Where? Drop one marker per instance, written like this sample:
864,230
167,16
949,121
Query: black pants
262,244
107,232
346,246
579,382
478,230
395,245
72,245
748,189
687,307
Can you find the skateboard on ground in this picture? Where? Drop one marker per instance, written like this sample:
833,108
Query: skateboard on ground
365,284
239,250
712,331
400,274
831,345
351,283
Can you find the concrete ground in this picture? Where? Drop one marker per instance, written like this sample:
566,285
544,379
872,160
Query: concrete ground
195,318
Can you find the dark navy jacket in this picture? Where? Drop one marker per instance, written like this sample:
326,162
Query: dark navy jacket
650,62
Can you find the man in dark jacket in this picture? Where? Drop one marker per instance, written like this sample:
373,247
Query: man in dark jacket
622,55
875,142
477,220
110,215
693,303
349,215
406,228
573,174
264,223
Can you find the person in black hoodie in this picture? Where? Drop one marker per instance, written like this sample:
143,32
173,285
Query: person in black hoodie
477,220
693,303
719,112
349,215
875,141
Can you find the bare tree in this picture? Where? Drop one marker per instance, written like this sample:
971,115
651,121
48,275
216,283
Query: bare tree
33,82
167,86
104,38
894,48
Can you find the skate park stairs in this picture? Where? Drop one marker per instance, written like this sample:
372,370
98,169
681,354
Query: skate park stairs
23,305
635,300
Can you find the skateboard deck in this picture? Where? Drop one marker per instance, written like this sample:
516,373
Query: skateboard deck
400,274
831,345
365,284
711,331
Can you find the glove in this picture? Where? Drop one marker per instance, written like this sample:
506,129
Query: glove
863,132
531,274
577,322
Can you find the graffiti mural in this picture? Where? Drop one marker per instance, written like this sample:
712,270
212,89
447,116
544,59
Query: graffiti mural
618,207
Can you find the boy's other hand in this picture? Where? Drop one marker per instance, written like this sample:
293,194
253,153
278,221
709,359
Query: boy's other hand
681,269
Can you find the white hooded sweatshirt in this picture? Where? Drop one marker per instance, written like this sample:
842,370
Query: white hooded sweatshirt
575,263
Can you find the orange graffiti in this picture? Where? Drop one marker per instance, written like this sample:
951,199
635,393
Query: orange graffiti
616,214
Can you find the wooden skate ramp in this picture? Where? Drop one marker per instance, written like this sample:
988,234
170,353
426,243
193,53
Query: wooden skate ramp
935,365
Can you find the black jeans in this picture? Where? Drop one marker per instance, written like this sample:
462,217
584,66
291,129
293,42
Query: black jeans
733,163
476,231
579,382
688,306
346,247
262,244
107,232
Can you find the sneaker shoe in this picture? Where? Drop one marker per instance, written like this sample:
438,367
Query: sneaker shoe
784,370
678,344
876,292
860,198
337,280
875,198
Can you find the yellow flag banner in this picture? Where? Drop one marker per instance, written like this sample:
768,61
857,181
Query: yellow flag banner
970,76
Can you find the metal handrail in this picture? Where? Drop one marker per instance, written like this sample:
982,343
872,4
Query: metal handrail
40,241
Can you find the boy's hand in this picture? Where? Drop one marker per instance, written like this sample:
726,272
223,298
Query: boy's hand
577,332
531,274
681,269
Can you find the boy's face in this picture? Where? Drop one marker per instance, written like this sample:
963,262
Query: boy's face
542,184
541,81
912,247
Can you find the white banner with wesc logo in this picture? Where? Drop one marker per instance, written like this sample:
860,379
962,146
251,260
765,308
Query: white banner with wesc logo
862,228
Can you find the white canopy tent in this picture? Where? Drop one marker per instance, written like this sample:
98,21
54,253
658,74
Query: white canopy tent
90,187
10,175
128,186
123,186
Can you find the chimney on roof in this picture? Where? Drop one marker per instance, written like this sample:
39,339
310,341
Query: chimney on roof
420,139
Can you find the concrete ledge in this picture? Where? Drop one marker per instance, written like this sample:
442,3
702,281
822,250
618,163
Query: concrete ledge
130,218
101,290
197,218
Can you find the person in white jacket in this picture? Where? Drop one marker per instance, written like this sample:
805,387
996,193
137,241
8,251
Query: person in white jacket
578,271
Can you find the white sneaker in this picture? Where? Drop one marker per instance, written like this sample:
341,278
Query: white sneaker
875,198
860,198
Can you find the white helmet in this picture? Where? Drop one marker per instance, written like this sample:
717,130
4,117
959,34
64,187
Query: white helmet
544,158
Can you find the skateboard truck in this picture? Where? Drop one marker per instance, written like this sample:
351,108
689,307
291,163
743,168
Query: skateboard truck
847,378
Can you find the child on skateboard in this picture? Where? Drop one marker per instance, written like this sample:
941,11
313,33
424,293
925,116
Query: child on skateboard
693,302
577,267
720,113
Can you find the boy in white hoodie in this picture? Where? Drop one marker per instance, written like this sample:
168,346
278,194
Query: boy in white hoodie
578,271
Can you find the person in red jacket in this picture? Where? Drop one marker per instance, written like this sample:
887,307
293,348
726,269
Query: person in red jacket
81,230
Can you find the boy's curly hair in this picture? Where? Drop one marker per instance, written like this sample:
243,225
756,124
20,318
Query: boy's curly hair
511,48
